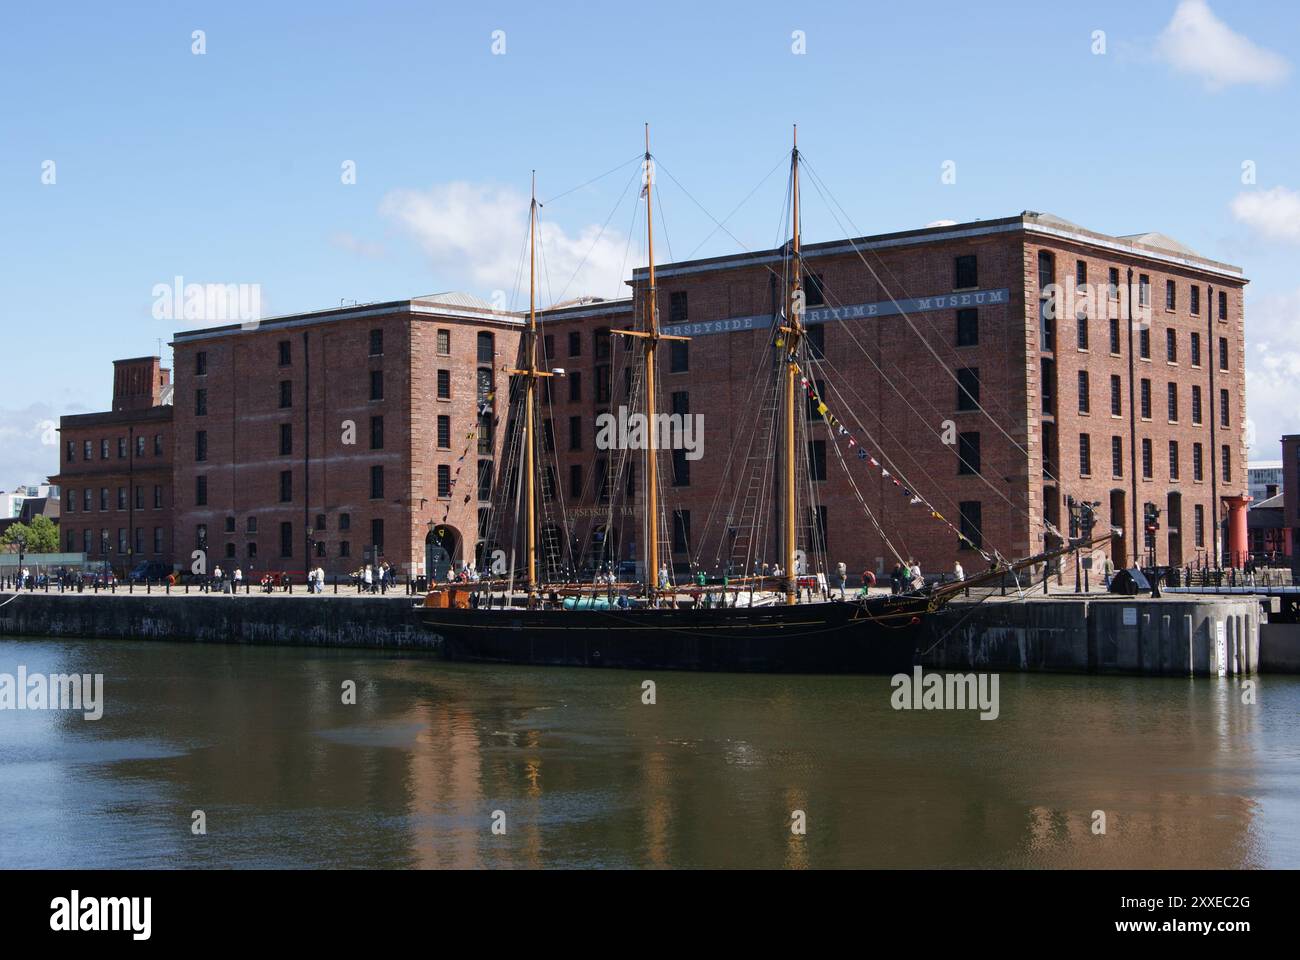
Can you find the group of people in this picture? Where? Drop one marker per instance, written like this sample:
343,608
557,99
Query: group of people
372,579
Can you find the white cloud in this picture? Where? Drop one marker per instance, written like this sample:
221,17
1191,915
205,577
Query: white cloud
1195,41
1274,213
29,450
1273,371
475,234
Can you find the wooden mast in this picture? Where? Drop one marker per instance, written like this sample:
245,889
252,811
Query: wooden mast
793,332
530,396
650,338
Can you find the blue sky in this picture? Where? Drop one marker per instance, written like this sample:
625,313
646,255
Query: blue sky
226,167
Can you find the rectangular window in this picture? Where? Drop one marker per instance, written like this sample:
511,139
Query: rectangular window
376,343
1081,329
681,531
444,343
345,548
250,525
968,453
1144,290
681,469
677,308
157,445
201,363
965,272
1195,306
1144,343
1085,455
200,445
1198,463
72,452
1173,459
1080,274
575,386
345,521
286,539
486,347
1146,460
817,460
968,388
121,448
157,540
548,435
1223,408
1113,283
1172,402
1223,353
815,337
284,353
139,445
377,383
88,451
1171,295
1116,397
1116,457
157,497
71,499
286,486
103,499
1196,405
103,449
1227,463
376,433
1198,512
971,524
815,290
485,480
286,394
444,432
575,481
679,356
1114,336
376,483
200,402
1084,402
485,445
201,491
1145,393
575,433
1223,305
444,384
1171,345
602,384
121,498
968,327
444,481
286,439
575,343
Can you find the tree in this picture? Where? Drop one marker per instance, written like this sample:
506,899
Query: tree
40,536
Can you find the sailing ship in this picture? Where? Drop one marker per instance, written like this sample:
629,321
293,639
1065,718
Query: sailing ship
780,620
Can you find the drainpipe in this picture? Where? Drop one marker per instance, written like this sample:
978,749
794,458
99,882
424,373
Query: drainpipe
1131,540
1212,360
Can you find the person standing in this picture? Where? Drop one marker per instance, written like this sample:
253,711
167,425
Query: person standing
238,578
957,572
367,579
914,576
842,574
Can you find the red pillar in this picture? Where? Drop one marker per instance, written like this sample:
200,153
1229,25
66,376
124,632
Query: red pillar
1238,541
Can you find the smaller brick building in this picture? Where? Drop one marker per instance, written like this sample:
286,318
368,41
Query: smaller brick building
116,471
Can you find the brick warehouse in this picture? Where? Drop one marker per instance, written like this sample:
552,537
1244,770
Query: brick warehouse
116,470
266,471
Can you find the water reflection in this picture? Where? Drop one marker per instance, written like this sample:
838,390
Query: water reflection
585,774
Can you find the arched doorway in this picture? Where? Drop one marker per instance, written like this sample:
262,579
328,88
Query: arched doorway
441,551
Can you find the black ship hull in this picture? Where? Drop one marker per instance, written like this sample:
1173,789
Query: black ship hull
876,636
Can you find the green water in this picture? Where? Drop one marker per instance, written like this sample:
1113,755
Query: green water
586,774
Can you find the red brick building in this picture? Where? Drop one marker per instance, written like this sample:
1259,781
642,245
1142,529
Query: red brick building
1291,494
995,365
116,471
